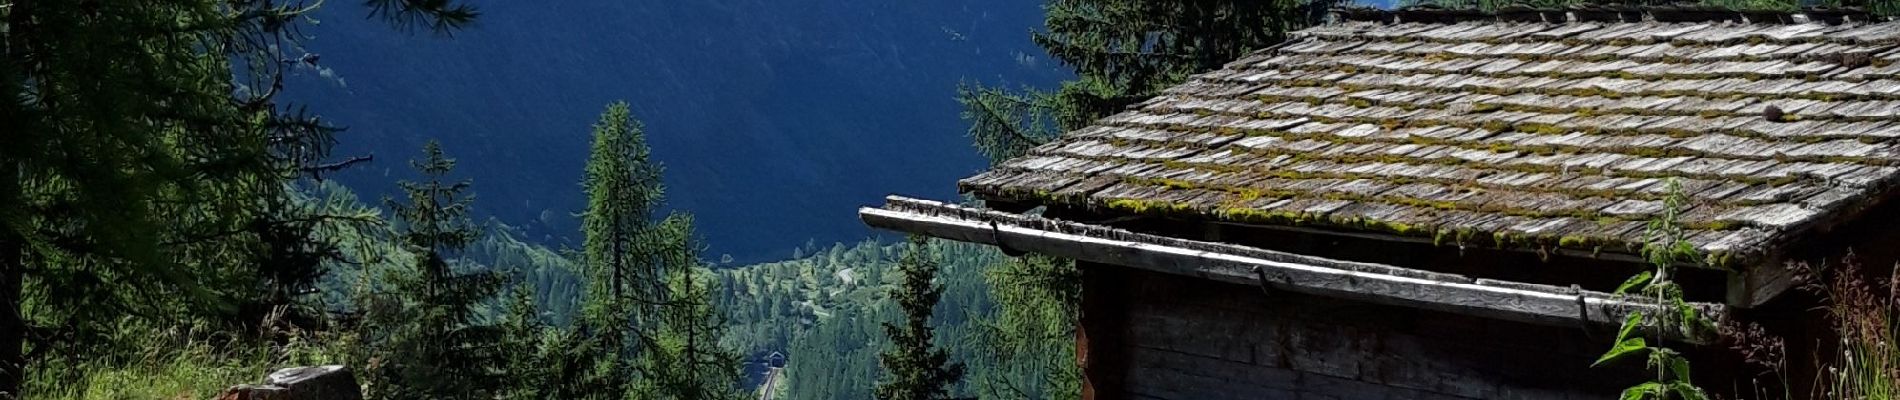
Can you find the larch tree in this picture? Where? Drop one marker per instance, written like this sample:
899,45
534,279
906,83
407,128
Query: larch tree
914,367
145,145
681,355
621,261
646,312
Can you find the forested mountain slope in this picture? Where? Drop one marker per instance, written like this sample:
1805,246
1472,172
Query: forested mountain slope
824,312
775,118
823,308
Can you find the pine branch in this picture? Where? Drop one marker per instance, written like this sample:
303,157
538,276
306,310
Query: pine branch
317,171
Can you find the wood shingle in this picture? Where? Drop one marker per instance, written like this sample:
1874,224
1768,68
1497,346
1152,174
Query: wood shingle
1530,134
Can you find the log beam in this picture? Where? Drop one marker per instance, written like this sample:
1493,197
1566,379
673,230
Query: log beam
1754,285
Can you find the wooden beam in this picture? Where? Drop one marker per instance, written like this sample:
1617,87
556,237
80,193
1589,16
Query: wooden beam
1757,284
1365,282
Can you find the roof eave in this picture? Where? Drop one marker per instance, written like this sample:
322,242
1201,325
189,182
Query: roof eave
1365,282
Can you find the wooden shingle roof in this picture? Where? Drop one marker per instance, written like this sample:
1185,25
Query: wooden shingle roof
1522,134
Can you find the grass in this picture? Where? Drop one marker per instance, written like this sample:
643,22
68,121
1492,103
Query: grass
1862,314
175,363
1862,363
189,374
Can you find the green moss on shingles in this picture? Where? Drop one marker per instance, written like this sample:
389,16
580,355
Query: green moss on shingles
1141,206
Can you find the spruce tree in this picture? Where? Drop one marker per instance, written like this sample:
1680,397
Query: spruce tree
914,368
438,348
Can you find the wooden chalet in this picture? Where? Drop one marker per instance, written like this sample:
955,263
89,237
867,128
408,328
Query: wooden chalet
1429,204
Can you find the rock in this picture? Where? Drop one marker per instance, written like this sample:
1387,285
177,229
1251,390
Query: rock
329,382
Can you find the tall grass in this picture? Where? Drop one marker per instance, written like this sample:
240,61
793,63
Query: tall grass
1861,313
181,362
1862,363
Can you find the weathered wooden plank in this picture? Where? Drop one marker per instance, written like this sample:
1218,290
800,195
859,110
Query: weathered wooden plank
1757,284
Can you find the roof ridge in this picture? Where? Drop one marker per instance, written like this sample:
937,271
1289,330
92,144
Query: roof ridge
1606,13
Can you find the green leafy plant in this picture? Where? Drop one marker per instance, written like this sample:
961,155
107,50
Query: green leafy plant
1664,248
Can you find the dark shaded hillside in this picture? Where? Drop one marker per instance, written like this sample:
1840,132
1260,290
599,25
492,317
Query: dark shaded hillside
775,118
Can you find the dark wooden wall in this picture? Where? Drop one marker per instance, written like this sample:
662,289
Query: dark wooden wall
1157,336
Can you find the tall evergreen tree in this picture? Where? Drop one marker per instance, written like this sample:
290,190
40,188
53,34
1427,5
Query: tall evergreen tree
651,320
915,369
623,257
439,348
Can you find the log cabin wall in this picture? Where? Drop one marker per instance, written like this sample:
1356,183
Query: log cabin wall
1158,336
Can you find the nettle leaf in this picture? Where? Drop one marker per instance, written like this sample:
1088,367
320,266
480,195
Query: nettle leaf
1635,319
1623,348
1642,391
1679,366
1688,391
1693,322
1635,282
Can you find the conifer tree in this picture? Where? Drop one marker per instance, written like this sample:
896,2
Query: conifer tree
682,357
438,348
543,361
649,318
528,375
914,368
622,258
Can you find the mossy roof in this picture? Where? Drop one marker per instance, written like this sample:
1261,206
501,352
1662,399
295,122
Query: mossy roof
1534,135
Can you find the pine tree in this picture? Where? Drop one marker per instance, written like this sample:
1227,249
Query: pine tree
914,367
438,348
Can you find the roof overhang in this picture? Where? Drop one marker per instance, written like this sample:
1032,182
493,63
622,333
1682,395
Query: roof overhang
1347,280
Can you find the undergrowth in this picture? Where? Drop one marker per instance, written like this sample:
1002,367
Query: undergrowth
180,362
